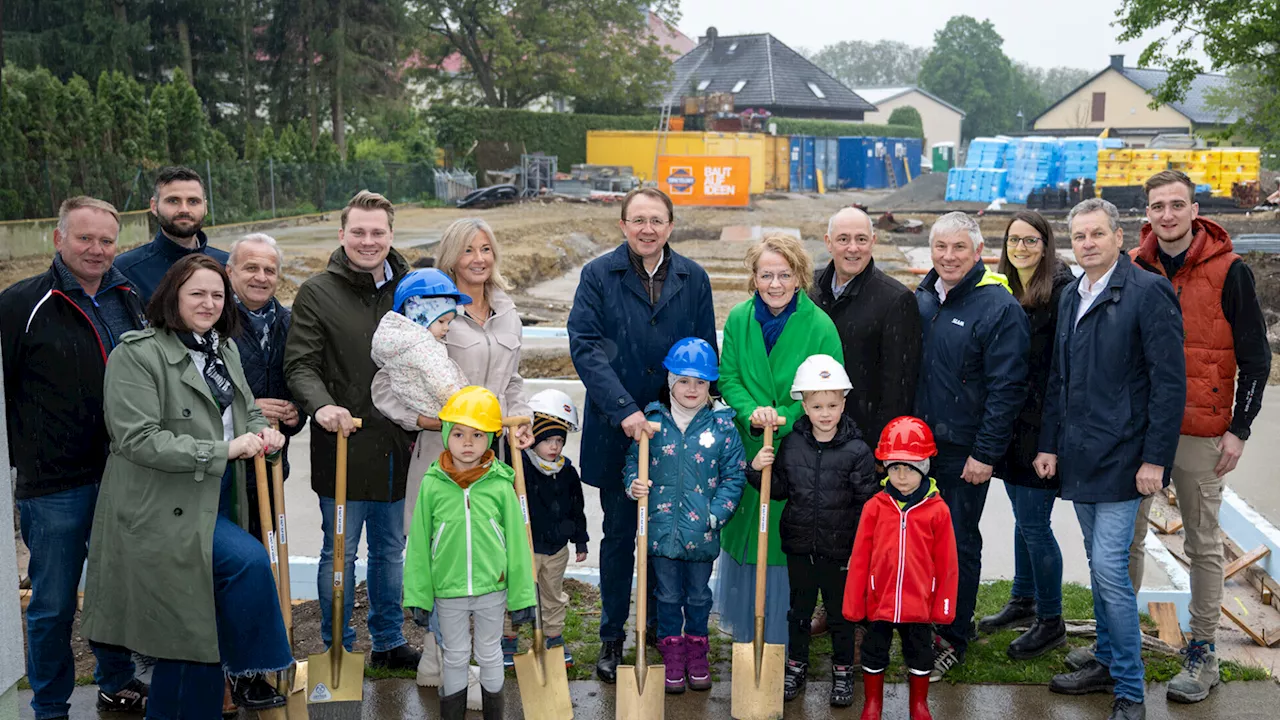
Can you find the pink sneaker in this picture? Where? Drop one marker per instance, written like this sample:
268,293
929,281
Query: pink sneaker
697,669
673,650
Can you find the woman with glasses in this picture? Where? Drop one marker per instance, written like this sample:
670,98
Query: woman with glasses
1037,277
765,340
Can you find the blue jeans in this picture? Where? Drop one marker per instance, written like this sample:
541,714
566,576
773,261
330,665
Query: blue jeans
56,528
618,561
1108,530
185,691
1037,559
966,503
384,522
684,596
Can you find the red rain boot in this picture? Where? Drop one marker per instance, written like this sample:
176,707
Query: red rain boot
919,685
873,694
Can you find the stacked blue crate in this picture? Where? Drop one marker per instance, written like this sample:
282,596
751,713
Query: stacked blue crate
986,153
1079,159
975,184
955,184
1038,164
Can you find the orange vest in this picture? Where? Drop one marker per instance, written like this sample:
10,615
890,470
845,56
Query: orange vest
1208,343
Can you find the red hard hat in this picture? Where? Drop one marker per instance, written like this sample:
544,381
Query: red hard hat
906,438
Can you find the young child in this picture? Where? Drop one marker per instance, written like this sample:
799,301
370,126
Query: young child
826,473
903,572
696,471
466,557
555,511
409,341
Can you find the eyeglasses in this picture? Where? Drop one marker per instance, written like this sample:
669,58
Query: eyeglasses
1026,242
639,223
766,279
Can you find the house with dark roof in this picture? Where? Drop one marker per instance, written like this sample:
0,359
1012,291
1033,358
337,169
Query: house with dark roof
941,119
1117,99
762,73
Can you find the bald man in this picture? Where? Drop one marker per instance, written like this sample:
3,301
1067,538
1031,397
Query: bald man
878,322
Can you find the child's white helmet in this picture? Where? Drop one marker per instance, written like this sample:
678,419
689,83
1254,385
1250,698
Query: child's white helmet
556,404
820,372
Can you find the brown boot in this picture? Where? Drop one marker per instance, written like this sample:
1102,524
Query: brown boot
818,625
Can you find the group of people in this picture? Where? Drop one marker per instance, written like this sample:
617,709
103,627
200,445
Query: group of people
1099,390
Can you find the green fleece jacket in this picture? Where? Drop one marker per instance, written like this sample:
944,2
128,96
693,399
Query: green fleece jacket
467,543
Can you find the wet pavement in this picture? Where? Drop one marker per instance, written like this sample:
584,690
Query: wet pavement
387,699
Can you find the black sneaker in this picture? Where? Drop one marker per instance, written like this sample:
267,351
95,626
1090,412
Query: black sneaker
1126,709
255,694
1043,636
1017,611
841,685
610,656
945,657
130,698
399,658
794,679
1094,677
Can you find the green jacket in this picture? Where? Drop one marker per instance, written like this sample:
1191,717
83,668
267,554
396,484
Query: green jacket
467,543
751,378
149,585
327,362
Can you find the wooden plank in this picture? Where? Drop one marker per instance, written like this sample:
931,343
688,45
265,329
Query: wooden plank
1171,496
1164,518
1244,561
1242,605
1165,615
1253,575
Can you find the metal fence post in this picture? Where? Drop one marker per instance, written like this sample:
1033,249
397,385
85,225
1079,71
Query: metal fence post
208,173
271,165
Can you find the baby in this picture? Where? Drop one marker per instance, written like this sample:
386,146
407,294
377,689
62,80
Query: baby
409,341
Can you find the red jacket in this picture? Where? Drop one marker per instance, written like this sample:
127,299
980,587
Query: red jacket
903,568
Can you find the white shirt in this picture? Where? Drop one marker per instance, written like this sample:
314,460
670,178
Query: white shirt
941,290
386,274
228,422
1089,292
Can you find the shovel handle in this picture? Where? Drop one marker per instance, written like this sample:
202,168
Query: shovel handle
285,591
264,515
517,464
642,556
339,553
762,542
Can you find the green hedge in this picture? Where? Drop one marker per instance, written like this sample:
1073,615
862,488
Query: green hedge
831,128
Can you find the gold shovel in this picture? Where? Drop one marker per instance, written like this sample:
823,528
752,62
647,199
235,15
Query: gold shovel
638,699
335,679
758,668
271,540
294,680
544,684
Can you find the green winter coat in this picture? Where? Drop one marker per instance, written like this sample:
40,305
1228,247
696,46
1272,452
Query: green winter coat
751,378
467,543
149,585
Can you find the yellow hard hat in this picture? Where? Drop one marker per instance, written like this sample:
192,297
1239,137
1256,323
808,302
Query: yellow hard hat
475,407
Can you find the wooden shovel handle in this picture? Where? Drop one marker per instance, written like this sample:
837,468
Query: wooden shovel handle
285,590
264,515
762,543
642,550
339,552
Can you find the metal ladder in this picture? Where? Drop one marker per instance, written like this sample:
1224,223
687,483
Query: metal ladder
660,147
891,173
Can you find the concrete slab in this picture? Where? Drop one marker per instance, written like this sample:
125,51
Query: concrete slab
1255,478
386,699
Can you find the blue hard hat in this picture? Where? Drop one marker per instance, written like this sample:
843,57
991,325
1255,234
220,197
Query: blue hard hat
693,357
427,282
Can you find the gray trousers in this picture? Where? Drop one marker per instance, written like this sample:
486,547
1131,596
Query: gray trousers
455,616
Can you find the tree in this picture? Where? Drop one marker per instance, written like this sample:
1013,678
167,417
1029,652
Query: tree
906,115
968,69
1055,83
516,51
858,63
1257,105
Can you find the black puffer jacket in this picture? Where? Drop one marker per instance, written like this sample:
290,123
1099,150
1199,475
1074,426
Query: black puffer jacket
266,374
825,486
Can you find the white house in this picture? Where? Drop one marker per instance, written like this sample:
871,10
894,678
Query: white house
941,118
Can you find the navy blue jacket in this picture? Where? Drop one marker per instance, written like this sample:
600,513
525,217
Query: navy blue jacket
973,364
146,265
266,374
1117,386
557,511
618,340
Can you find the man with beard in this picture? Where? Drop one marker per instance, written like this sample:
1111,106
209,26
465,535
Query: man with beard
179,205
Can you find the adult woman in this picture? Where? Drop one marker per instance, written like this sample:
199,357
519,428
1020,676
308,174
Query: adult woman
1036,278
172,573
765,340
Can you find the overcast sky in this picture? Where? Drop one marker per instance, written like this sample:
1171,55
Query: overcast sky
1075,34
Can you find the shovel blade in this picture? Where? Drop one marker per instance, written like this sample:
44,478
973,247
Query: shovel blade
636,704
544,685
350,682
752,700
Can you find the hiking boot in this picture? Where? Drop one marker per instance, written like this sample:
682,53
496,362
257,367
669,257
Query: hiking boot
1081,656
403,657
697,670
1199,673
454,707
509,649
673,657
794,679
133,698
607,664
841,685
945,657
557,641
254,693
873,695
491,705
1094,677
1017,610
818,625
919,688
1043,636
1126,709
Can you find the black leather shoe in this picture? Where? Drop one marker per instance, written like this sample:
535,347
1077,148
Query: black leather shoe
1126,709
130,698
400,658
1015,611
610,656
255,693
1043,636
1093,677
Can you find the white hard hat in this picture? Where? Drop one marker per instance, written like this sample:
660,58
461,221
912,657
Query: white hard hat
556,404
820,372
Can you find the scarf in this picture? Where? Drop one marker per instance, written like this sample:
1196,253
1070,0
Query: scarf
215,371
465,478
681,414
772,325
905,501
546,467
261,322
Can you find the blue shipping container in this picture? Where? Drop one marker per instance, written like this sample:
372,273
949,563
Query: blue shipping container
810,176
831,170
820,162
853,153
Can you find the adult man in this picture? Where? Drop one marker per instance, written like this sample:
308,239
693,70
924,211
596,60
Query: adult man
631,306
329,371
973,370
179,206
1112,409
878,321
1225,334
254,269
57,329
